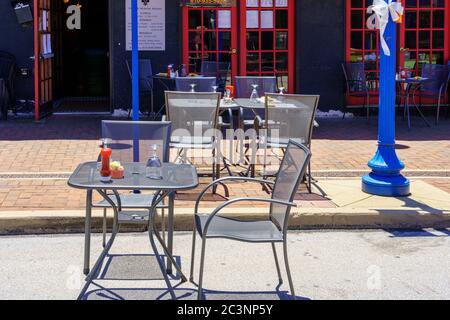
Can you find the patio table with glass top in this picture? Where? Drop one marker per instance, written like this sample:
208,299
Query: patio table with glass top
175,177
412,83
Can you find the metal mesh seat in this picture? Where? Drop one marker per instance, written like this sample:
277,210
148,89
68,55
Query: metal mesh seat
272,230
132,141
357,84
437,87
202,84
218,70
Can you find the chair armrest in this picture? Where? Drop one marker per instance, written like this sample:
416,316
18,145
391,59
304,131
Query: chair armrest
164,118
237,200
228,179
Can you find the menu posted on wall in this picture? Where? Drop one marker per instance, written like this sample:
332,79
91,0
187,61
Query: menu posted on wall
152,25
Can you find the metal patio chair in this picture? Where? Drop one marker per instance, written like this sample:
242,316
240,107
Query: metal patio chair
201,84
195,123
244,88
434,89
219,70
288,116
131,141
273,230
146,85
357,84
7,73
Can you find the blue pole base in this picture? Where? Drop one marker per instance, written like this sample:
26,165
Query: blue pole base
386,186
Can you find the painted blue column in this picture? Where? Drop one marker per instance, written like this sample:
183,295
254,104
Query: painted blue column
385,178
135,72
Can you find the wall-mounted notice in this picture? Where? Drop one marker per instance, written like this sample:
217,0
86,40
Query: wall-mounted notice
152,25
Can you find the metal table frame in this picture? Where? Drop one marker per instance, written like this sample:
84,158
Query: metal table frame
410,85
161,193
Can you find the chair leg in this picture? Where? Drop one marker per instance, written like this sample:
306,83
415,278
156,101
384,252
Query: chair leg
288,270
309,178
276,263
104,228
202,265
367,104
194,235
438,111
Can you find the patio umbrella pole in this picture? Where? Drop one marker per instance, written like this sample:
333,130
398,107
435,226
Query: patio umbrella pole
385,178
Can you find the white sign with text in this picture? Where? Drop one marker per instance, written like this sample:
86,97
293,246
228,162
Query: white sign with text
152,25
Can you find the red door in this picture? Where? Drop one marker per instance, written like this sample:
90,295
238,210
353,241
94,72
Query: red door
267,44
209,35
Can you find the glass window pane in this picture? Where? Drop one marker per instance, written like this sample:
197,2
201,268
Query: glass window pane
438,57
281,19
411,3
253,62
195,19
425,3
410,39
252,19
224,41
267,40
357,4
266,3
267,61
210,40
438,3
356,19
282,3
425,19
371,40
209,19
424,39
356,57
438,19
282,61
252,40
252,3
411,19
438,39
282,41
356,40
267,19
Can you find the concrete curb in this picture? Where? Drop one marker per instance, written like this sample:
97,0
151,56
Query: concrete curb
52,222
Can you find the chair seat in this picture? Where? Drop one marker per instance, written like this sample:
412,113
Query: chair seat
129,200
248,231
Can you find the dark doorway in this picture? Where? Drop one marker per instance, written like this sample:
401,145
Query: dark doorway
85,56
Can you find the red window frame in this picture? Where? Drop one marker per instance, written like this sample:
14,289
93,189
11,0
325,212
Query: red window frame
290,72
401,38
234,40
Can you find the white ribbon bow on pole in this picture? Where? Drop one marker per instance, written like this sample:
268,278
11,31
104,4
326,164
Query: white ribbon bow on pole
379,19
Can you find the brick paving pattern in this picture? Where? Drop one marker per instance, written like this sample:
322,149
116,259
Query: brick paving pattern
59,144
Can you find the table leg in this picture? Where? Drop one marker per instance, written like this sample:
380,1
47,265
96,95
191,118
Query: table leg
87,232
170,226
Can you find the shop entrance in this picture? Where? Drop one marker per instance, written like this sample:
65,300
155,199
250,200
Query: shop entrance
255,36
72,45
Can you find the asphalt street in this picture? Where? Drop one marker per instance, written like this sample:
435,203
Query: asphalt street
325,265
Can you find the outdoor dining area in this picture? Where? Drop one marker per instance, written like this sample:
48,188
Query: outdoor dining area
254,133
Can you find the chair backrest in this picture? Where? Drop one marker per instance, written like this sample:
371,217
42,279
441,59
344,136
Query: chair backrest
439,75
355,76
244,85
202,84
133,140
219,70
289,177
193,115
145,74
290,116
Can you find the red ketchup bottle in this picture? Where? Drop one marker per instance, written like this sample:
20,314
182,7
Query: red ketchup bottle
105,172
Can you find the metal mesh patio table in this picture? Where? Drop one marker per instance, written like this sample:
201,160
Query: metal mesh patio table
175,177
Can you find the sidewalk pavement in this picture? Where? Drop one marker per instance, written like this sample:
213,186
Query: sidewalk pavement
337,204
37,158
325,265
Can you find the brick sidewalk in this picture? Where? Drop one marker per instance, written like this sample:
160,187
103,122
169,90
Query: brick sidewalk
58,144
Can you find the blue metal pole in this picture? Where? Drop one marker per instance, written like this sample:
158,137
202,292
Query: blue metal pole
385,178
135,72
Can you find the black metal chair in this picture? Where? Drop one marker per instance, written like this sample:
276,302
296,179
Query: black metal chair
434,89
7,73
357,84
145,84
273,230
218,70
